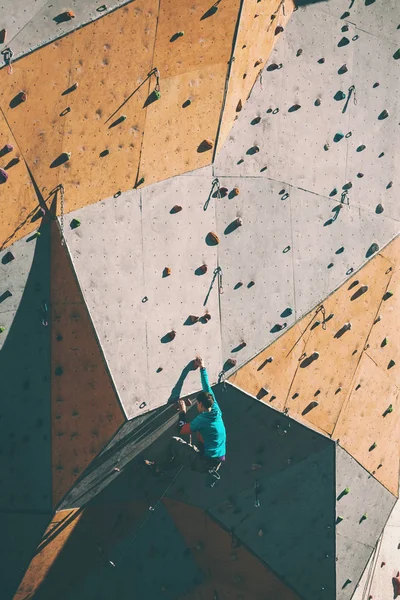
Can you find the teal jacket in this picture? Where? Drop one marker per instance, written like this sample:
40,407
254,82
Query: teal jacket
210,424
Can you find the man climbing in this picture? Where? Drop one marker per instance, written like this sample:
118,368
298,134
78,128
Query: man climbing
209,428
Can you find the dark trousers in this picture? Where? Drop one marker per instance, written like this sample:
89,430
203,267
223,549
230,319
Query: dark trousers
189,454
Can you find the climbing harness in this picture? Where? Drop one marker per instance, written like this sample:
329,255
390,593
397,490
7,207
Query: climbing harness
8,55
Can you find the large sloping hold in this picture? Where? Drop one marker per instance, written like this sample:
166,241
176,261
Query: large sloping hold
338,372
85,408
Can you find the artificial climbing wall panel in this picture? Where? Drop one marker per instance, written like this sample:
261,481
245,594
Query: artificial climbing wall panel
25,426
332,95
366,429
193,100
86,121
31,24
320,386
85,408
54,539
135,305
258,30
363,506
292,249
19,205
321,355
235,568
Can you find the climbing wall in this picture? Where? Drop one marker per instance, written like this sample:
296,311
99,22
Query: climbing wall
85,408
135,304
332,380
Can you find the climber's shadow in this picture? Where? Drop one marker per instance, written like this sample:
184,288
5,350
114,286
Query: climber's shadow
177,389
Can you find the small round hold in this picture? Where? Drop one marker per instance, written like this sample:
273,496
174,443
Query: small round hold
321,61
360,175
318,102
159,370
379,209
376,84
348,135
326,147
299,52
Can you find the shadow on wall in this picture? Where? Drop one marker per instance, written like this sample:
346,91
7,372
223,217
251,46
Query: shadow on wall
25,426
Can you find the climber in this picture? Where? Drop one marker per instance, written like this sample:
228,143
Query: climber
210,430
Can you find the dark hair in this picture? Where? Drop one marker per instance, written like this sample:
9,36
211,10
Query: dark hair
206,399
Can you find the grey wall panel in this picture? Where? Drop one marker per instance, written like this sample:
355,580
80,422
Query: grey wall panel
357,536
373,64
106,251
34,23
291,144
255,252
330,241
178,241
119,253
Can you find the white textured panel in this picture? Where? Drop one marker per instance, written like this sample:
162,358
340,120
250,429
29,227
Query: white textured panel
107,255
178,241
259,251
328,248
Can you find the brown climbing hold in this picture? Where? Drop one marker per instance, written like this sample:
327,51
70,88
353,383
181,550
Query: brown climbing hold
235,191
213,238
171,335
203,269
231,362
175,209
239,106
258,62
206,145
299,52
167,272
206,317
238,222
70,14
193,319
279,29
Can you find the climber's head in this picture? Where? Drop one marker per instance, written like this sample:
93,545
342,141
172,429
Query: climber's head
205,402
